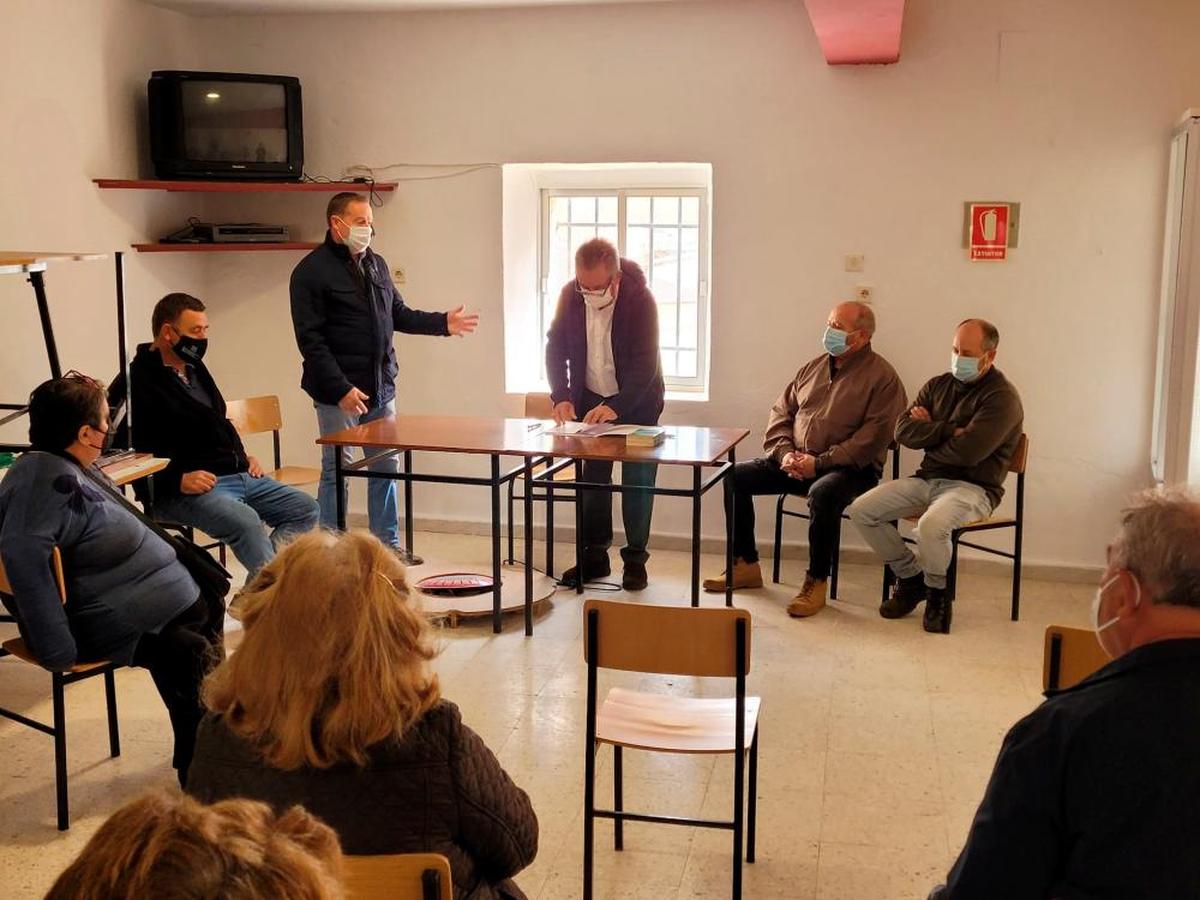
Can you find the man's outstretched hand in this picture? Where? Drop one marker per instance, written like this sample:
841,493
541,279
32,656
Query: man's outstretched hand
460,322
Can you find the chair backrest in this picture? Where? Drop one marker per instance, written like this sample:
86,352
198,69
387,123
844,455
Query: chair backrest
1020,456
666,640
402,876
538,406
59,579
254,415
1071,655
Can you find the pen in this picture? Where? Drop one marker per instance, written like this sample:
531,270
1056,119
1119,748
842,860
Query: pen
534,427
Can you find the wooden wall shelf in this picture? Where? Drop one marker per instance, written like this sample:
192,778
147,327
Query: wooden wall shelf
240,187
223,248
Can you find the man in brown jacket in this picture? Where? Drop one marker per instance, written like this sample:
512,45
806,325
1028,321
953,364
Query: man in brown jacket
968,421
826,440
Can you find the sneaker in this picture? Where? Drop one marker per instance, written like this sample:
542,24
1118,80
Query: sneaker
409,559
634,577
592,570
745,575
810,600
938,612
906,594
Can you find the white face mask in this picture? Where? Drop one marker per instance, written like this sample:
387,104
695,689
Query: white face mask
1100,627
598,299
359,237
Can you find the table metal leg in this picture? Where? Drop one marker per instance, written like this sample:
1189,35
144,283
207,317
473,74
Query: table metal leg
550,522
579,527
696,486
528,546
339,485
497,589
729,525
43,305
408,504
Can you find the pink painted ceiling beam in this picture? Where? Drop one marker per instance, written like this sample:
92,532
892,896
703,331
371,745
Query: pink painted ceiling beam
854,32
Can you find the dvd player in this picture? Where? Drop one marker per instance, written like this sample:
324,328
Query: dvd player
242,233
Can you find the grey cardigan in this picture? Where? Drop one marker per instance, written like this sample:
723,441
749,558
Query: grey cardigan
122,579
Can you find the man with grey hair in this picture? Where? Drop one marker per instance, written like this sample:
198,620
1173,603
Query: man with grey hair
968,421
826,439
1095,793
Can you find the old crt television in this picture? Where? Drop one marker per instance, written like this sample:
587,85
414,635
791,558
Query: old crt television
223,125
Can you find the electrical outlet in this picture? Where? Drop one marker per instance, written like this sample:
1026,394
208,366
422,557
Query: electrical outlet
854,262
398,275
864,293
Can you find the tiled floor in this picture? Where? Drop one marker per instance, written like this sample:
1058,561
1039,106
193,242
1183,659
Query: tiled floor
877,740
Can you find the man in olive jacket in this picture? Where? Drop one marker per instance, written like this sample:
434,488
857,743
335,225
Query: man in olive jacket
603,364
969,422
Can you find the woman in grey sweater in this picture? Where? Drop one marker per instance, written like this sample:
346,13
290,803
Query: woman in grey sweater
129,600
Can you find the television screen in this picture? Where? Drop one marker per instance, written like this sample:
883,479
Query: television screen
235,122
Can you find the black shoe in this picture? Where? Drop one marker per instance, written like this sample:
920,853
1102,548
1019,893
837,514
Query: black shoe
634,577
409,559
592,570
938,611
906,594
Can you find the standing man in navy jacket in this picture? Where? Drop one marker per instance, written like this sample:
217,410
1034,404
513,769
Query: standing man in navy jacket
345,309
603,364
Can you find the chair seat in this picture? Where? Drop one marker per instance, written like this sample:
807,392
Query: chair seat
297,475
16,646
567,473
673,724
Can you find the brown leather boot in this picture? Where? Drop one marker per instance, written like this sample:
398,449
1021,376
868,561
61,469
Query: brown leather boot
745,575
810,600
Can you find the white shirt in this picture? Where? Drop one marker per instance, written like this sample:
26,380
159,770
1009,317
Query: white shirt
601,377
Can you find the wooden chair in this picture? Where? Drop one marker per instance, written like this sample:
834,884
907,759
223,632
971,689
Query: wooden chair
670,640
1016,522
1071,655
781,511
58,681
402,876
256,415
537,406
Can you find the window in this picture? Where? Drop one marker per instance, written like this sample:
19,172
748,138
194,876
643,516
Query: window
663,230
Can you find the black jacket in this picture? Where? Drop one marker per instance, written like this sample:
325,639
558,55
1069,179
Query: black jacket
344,320
170,422
438,790
639,399
1096,794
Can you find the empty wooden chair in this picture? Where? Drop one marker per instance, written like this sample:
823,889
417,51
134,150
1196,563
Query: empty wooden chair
670,640
58,681
538,406
1071,655
400,876
256,415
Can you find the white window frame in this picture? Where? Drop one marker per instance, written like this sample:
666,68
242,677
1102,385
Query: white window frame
548,293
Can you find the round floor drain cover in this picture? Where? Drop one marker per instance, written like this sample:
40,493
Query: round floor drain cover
456,584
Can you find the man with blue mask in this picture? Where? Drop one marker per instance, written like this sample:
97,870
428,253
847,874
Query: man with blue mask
346,311
968,422
1094,793
826,439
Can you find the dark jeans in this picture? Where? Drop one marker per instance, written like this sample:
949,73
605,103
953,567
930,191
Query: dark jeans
179,657
636,506
828,496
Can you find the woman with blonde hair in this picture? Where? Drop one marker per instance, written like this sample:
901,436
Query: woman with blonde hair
170,847
330,702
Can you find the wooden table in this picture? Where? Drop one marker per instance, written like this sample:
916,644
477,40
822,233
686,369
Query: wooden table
697,448
32,264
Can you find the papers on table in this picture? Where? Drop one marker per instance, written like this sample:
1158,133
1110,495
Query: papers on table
604,429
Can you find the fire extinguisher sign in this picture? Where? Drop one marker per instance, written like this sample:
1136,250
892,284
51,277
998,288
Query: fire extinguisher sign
989,231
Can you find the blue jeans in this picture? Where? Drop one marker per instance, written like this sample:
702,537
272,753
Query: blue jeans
235,510
382,512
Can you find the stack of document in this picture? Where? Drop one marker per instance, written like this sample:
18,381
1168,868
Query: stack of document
599,429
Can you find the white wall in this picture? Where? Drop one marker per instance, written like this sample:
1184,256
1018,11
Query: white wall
1065,106
72,103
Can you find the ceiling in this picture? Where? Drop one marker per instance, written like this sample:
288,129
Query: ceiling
281,7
